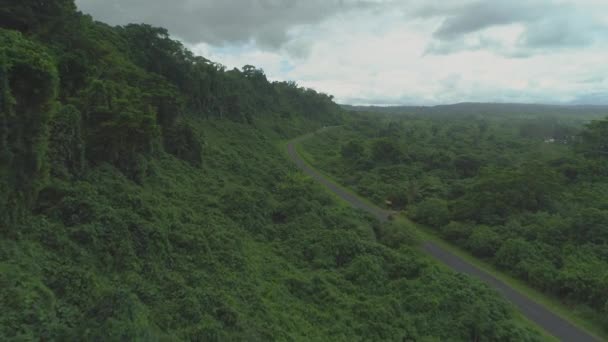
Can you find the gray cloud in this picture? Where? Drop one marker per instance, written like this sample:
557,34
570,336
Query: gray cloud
484,14
439,47
548,26
267,22
559,32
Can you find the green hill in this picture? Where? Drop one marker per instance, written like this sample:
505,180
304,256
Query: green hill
143,196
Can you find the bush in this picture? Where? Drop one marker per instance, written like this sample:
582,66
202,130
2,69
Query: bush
512,252
395,234
353,150
386,151
367,272
484,242
456,232
184,142
66,144
433,212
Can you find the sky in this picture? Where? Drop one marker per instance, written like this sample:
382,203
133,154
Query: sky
389,52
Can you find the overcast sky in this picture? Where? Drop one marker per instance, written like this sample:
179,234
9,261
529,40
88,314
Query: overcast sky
397,52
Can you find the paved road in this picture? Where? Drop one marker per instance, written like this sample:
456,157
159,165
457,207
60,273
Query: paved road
552,323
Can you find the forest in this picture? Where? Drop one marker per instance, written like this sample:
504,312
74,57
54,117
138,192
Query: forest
144,196
525,191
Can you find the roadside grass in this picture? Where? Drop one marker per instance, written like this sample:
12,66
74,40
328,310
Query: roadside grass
424,233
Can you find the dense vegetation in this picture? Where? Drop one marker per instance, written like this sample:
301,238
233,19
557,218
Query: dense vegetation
528,193
143,197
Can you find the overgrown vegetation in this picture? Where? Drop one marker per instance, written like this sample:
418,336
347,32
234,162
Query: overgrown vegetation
143,198
527,193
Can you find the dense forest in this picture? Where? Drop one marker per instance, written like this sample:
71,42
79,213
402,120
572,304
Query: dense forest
143,196
528,193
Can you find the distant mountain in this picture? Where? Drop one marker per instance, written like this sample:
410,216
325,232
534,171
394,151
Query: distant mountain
585,112
599,98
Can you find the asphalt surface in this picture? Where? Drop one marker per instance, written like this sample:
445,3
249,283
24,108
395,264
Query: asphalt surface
550,322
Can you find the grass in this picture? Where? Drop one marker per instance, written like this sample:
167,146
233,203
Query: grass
426,234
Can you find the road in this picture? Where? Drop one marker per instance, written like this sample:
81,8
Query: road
550,322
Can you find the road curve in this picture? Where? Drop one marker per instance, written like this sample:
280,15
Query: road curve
550,322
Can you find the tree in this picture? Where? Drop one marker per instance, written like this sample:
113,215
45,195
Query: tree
66,143
585,277
153,49
590,226
467,165
184,142
386,150
432,211
594,139
392,130
353,150
456,232
484,242
255,74
121,128
498,193
42,16
396,234
514,251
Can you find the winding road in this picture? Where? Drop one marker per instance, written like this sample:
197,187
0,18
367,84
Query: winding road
546,319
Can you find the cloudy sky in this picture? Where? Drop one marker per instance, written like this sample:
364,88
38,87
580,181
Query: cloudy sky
421,52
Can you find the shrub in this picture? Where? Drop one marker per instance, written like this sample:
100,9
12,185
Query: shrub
433,212
484,242
395,234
